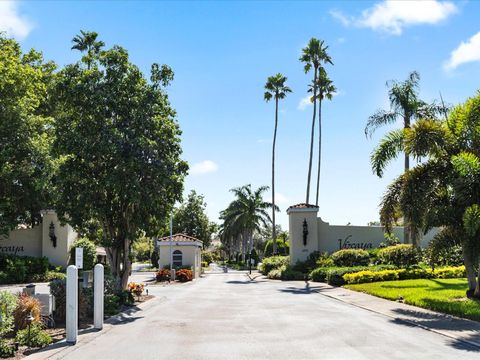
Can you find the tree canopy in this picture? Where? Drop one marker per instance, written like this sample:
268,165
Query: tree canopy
119,145
190,218
26,125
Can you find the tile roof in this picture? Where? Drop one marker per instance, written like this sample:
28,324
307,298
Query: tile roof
180,238
303,206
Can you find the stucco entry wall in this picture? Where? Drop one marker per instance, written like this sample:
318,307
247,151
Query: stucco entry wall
324,237
36,241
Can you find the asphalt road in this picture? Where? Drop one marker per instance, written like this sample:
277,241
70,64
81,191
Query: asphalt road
226,316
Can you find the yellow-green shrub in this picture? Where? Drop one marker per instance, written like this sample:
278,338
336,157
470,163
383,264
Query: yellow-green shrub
370,276
366,276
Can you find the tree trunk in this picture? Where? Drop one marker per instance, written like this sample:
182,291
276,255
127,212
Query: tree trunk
406,222
470,271
118,258
319,144
312,134
274,232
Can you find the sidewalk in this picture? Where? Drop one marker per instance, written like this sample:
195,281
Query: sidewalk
461,330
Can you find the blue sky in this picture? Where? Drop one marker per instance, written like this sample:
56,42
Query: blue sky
222,53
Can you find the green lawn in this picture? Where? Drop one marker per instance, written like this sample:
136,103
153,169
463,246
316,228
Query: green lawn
443,295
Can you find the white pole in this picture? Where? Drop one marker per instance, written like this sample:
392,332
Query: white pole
171,243
98,293
72,304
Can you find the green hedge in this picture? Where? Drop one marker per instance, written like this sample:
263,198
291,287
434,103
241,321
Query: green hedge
273,262
21,269
334,275
286,273
351,257
366,276
403,255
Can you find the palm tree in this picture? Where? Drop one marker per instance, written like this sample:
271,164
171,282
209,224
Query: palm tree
275,88
444,190
87,42
313,55
326,89
246,214
405,105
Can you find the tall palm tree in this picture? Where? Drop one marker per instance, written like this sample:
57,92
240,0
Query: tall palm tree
246,214
405,105
275,88
444,190
313,55
87,42
326,90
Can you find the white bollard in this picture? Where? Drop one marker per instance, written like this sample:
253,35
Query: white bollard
98,293
72,304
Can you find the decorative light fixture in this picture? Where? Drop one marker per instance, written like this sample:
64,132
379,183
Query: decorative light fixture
51,234
305,232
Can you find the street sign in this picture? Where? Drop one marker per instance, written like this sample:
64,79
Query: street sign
79,258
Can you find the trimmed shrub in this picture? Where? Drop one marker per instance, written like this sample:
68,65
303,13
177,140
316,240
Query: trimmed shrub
26,305
366,276
273,262
89,252
403,255
283,248
204,264
21,269
162,275
286,273
111,304
319,274
136,288
325,260
184,275
6,349
351,257
36,337
450,272
8,303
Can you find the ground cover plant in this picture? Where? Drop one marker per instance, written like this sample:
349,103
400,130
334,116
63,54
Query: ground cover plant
443,295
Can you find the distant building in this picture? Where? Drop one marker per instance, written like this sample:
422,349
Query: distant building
184,251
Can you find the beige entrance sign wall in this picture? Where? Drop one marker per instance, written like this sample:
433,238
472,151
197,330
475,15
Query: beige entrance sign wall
310,233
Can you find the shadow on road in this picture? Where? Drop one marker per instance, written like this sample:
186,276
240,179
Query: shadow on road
301,291
465,342
245,282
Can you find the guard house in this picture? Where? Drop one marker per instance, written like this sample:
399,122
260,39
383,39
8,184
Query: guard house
185,251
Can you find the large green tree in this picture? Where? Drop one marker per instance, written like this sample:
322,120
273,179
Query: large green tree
190,218
119,145
443,190
314,55
405,105
26,128
275,88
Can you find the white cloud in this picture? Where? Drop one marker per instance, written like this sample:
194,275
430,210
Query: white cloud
304,102
392,16
468,51
204,167
12,22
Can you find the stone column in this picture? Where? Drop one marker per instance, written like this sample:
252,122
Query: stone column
302,218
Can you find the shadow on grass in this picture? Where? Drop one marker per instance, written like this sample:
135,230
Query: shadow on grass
468,342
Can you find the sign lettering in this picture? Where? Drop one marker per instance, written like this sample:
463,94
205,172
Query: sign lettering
347,244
